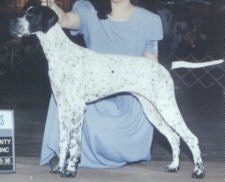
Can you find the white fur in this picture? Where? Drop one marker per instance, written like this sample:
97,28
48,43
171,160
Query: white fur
185,64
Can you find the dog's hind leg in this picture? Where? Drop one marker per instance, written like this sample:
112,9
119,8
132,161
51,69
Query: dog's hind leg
169,110
155,118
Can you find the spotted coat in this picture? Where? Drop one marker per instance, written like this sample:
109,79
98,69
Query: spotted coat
79,75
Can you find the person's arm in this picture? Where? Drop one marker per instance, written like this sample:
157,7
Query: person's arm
154,33
150,55
67,20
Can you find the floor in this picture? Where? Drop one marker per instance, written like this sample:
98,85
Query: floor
28,170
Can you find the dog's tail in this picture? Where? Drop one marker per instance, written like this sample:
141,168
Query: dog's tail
185,64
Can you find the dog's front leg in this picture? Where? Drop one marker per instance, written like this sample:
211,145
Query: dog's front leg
65,116
75,141
75,132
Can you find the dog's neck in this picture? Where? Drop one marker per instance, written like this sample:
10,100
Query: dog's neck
55,41
55,35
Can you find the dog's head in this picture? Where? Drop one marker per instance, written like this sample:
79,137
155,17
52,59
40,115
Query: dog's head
33,18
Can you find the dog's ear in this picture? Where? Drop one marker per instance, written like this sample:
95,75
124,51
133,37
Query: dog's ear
31,3
49,18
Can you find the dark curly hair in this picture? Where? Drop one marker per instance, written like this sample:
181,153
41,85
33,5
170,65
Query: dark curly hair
103,7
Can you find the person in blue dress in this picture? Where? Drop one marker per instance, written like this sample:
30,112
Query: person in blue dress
115,129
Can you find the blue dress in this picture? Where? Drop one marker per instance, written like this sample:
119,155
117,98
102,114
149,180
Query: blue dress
115,130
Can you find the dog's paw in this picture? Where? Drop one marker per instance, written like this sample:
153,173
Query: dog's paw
57,170
171,169
68,174
54,170
199,171
53,164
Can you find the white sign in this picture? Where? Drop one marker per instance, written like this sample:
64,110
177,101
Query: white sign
7,144
6,119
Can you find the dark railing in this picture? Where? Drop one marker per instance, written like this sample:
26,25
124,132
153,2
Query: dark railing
206,77
23,72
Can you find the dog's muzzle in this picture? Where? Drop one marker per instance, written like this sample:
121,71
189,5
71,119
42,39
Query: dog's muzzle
19,27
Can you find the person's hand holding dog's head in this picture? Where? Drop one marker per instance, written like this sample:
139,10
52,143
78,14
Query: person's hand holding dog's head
48,3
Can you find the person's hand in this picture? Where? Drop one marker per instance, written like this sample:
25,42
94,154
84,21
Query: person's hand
48,3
